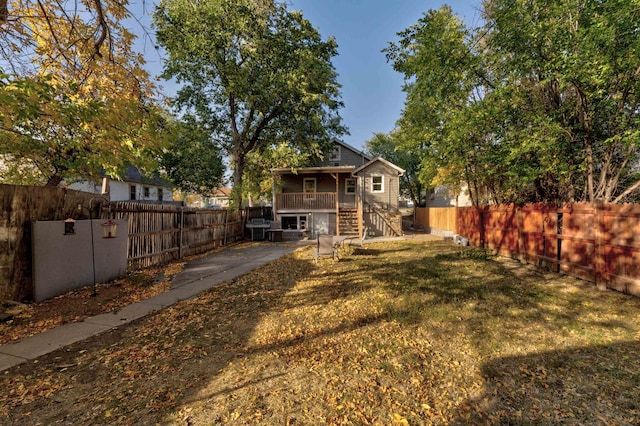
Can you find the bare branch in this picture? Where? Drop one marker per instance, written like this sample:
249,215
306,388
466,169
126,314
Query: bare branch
627,191
104,29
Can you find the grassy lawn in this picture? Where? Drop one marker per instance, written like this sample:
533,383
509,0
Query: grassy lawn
411,332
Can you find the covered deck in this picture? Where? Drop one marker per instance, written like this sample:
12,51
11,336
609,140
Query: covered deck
298,201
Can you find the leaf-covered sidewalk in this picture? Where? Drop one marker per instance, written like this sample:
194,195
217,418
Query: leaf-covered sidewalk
408,332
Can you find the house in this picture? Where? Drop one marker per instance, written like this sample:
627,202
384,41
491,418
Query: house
221,197
444,196
343,194
218,199
134,186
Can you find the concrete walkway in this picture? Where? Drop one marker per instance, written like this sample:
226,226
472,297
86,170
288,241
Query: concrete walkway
199,275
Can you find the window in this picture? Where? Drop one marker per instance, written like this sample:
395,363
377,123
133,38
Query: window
294,222
160,194
146,191
377,183
349,186
334,154
309,187
132,192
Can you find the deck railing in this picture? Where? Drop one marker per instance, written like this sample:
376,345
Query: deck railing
306,201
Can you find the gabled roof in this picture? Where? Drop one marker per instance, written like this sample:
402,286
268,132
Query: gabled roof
222,192
346,145
383,161
132,174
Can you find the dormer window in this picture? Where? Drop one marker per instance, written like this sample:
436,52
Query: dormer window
334,154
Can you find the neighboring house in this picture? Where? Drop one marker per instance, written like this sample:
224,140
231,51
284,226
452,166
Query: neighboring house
221,197
443,196
340,195
132,187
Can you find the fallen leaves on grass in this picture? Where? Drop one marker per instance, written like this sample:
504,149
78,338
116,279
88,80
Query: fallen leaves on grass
400,333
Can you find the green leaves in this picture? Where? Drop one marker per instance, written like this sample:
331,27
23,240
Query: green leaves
401,151
77,99
533,106
191,159
261,70
57,135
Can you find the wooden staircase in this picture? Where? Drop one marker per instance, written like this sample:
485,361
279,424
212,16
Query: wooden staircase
348,222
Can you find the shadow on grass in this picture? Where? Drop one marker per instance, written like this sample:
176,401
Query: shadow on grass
138,373
479,288
143,373
596,384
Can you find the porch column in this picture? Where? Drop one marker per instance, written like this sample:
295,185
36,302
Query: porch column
335,176
273,195
359,198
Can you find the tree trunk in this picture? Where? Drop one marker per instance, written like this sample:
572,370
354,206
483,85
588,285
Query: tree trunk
238,163
54,180
589,155
4,12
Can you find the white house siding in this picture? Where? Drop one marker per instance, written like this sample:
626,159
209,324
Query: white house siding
86,186
120,191
445,197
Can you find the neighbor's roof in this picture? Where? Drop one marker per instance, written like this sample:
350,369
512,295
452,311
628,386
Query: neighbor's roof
132,174
222,192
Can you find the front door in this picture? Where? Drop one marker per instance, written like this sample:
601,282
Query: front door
320,224
309,187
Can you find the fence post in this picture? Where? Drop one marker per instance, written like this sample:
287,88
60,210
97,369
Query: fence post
226,224
599,248
180,233
520,226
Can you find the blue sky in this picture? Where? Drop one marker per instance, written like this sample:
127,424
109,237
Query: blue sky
371,89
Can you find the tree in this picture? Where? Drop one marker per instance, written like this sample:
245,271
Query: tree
395,148
258,180
542,103
33,32
443,89
76,99
573,67
57,135
255,72
191,160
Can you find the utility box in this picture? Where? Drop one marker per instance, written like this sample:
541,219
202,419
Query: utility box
64,260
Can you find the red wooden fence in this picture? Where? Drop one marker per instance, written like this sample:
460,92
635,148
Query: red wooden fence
595,242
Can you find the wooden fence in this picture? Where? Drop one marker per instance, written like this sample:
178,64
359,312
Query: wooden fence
599,243
19,207
157,233
161,233
437,220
